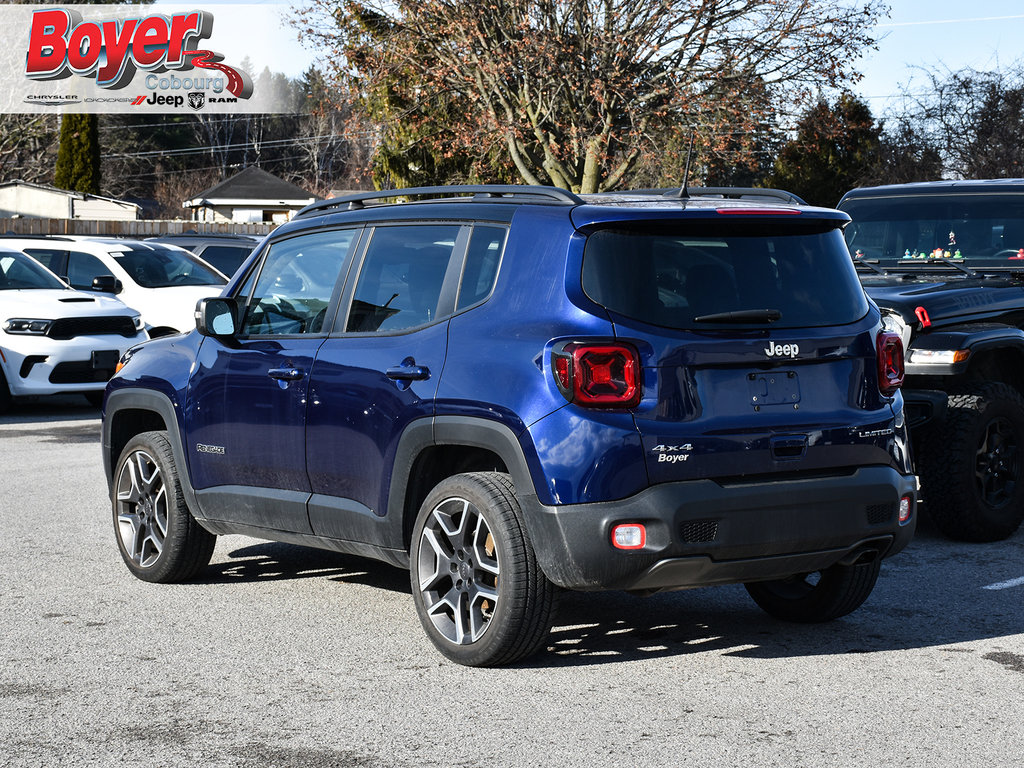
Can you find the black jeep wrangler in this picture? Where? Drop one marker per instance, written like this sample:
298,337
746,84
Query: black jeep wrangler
945,263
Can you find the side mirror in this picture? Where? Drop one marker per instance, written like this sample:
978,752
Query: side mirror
216,317
107,284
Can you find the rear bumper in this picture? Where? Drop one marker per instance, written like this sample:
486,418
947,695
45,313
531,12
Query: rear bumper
703,532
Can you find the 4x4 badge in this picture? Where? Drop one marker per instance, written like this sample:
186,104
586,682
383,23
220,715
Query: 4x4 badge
672,454
782,350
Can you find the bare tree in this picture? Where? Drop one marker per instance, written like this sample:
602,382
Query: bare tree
972,120
578,92
28,147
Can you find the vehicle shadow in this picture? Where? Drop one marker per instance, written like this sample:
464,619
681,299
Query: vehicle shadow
52,408
936,593
931,595
274,561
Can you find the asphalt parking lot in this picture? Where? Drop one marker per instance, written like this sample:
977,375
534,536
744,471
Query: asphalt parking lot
281,656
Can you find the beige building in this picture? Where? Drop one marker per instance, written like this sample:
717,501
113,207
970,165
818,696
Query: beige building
249,196
38,201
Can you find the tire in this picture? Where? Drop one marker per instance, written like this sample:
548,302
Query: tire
5,394
156,534
972,465
95,398
479,592
821,596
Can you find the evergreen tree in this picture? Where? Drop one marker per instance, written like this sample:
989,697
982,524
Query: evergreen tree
836,148
78,158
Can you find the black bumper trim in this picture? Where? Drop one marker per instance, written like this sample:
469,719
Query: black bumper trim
765,530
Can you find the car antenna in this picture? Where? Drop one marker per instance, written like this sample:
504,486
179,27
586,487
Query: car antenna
684,191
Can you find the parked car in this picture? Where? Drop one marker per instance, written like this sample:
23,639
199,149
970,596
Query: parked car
163,282
514,390
945,261
224,251
55,340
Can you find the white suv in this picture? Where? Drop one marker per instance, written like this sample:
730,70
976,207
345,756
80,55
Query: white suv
161,281
55,340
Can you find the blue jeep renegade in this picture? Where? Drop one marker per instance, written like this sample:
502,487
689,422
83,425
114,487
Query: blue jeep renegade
513,390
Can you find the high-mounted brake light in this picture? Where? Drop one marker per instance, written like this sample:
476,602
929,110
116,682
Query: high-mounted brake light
890,362
758,211
598,375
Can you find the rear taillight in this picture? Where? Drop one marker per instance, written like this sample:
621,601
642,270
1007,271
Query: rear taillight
598,375
890,362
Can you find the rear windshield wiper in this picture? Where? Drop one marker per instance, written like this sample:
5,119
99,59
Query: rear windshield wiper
741,316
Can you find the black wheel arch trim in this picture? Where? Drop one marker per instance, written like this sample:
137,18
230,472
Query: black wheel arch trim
161,404
469,431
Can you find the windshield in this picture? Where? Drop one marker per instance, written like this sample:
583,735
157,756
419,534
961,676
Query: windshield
158,267
984,230
19,272
693,280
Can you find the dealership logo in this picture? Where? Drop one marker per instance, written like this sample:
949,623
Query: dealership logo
196,100
62,45
52,101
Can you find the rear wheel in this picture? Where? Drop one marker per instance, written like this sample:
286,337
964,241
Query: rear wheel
815,597
478,589
158,538
972,464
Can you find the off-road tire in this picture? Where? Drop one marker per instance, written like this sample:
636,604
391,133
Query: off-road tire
817,597
156,534
972,464
480,594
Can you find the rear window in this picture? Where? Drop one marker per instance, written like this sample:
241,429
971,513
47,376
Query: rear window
697,280
984,230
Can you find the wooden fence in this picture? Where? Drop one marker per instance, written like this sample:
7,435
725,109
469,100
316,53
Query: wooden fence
140,228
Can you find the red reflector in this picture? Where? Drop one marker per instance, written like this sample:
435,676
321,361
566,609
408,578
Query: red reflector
562,372
905,508
629,536
758,211
890,362
922,315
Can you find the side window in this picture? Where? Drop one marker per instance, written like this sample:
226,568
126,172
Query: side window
226,258
52,259
295,284
83,267
481,264
401,278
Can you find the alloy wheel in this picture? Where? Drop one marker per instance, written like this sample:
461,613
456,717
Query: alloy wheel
996,469
458,571
141,509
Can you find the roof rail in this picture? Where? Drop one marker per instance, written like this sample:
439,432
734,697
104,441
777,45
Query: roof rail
498,193
740,193
21,235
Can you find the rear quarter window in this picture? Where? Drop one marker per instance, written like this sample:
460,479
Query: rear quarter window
678,279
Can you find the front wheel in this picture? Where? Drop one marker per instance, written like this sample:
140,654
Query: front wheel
815,597
158,538
480,594
5,394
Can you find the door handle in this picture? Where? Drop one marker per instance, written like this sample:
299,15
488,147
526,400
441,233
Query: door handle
406,372
286,374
